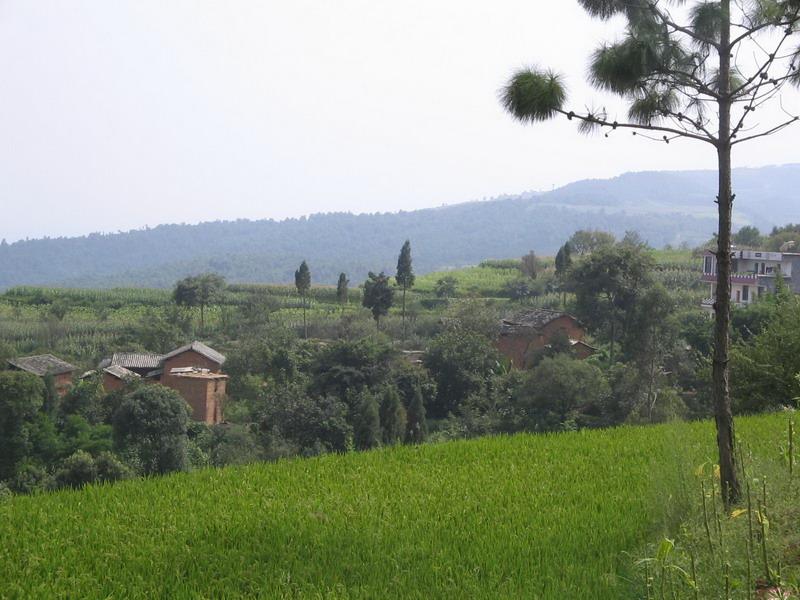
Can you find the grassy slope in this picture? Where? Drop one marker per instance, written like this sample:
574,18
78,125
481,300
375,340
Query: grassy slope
527,516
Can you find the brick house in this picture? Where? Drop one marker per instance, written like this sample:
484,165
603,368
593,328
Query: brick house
523,336
203,390
140,363
115,377
47,365
193,370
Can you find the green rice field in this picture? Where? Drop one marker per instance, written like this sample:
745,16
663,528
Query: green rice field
547,516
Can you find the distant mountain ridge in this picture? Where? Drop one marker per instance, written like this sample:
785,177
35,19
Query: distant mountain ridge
664,207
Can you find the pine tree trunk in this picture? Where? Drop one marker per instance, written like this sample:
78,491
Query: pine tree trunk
305,323
729,483
404,312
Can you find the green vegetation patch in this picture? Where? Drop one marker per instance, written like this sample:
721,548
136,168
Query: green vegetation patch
547,516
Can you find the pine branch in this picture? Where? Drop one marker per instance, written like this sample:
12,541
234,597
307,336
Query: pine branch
603,122
667,20
775,129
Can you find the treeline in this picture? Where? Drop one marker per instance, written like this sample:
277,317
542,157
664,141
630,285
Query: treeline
269,251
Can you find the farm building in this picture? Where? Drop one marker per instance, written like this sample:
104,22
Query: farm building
47,365
533,331
115,377
193,370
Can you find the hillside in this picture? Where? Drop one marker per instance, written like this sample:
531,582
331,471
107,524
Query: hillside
546,516
664,207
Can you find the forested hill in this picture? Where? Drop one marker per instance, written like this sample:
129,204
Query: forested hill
664,207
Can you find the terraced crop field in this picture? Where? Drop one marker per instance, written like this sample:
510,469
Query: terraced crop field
549,516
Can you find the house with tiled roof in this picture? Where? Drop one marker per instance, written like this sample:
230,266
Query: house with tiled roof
524,335
193,370
46,365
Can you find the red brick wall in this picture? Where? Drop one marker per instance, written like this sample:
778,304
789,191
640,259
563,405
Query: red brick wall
111,383
204,396
518,347
190,358
62,383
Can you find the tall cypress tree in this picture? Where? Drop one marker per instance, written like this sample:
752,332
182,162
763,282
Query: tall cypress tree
416,423
393,417
341,289
405,275
367,426
302,281
563,263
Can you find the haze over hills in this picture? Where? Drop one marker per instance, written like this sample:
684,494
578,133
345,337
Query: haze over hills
664,207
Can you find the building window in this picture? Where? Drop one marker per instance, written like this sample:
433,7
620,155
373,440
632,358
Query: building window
707,266
738,296
745,293
760,290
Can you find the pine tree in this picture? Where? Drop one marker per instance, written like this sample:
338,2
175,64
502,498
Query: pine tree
302,281
405,275
698,75
416,423
393,417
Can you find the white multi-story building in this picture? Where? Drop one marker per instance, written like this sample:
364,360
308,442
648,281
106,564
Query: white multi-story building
753,273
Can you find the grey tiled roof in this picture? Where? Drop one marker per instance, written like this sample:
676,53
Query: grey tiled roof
42,364
201,349
120,372
133,360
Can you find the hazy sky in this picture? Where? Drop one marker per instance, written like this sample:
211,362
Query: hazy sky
115,115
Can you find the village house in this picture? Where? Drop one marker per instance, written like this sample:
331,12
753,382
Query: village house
753,273
193,370
46,365
521,338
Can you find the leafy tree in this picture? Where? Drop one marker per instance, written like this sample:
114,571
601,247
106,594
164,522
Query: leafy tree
416,423
346,367
85,398
21,396
405,275
78,434
462,364
748,236
445,287
152,422
585,241
529,265
765,367
302,281
562,393
607,284
76,471
165,329
367,425
393,416
199,291
378,296
311,425
110,468
672,70
341,289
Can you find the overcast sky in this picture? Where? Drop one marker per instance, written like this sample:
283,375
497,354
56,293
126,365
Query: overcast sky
116,115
